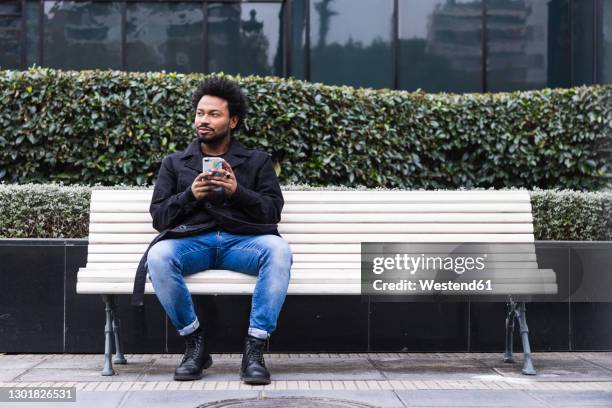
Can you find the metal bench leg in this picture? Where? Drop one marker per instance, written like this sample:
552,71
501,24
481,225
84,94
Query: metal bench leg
508,353
528,368
108,338
119,358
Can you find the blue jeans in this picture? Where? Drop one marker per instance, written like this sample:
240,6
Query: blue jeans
267,256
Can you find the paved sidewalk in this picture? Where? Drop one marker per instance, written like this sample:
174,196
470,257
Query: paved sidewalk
372,379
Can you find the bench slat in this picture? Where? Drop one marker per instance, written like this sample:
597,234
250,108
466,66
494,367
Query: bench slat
142,217
312,265
349,196
451,207
524,249
532,274
220,275
344,228
294,288
115,256
123,248
341,238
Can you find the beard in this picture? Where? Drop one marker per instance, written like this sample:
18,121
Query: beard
215,139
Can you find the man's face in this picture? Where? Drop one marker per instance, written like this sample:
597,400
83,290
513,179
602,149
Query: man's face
212,120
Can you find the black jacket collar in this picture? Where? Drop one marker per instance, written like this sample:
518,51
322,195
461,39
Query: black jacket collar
235,155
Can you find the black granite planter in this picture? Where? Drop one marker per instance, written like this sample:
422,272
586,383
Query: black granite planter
41,312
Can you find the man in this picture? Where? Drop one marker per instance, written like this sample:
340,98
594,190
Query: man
234,228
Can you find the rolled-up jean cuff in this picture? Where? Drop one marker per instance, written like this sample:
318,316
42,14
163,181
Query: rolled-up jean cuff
190,328
260,334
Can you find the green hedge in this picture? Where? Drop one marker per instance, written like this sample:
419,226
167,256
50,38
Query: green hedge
58,211
566,215
112,127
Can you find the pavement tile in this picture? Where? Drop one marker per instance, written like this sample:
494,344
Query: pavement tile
180,399
56,375
469,398
12,363
374,398
551,368
425,368
601,359
221,370
574,398
11,373
323,369
93,363
296,369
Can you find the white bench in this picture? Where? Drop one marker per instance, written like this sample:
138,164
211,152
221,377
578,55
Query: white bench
325,230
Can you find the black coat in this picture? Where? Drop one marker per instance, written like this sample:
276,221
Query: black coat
254,208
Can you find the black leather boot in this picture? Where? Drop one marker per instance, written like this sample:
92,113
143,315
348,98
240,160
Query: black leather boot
253,369
195,360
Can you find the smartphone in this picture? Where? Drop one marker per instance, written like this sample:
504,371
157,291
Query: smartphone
212,163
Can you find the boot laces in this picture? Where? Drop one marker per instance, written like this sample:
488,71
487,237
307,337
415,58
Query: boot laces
192,347
256,353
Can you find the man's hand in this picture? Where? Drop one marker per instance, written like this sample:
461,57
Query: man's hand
200,187
225,179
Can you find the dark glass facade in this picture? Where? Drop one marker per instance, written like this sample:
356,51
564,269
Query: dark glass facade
11,48
164,36
245,38
440,45
81,35
434,45
603,43
351,42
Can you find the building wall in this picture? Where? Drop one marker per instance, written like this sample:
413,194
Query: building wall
434,45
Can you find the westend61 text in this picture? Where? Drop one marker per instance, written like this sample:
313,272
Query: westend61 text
426,285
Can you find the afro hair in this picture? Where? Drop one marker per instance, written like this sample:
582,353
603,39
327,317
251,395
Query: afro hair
225,89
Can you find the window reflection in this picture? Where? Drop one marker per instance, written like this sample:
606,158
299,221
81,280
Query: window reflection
440,45
531,44
165,36
82,35
10,30
528,44
10,47
245,38
582,41
10,7
298,48
605,62
32,32
351,42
